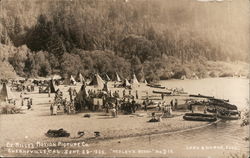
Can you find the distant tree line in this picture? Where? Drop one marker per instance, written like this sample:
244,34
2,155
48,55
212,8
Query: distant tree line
91,36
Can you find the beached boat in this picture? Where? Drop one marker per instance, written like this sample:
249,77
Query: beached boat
200,96
199,117
156,86
160,92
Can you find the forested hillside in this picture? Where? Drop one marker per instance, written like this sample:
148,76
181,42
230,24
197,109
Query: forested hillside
155,39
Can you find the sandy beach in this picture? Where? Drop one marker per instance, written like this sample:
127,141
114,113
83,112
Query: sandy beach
31,126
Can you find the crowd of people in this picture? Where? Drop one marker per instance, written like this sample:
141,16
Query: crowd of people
95,100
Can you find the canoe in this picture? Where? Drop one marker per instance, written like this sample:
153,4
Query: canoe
200,96
218,100
156,86
160,92
199,117
152,106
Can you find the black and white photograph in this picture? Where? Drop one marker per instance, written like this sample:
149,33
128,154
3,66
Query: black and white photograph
124,78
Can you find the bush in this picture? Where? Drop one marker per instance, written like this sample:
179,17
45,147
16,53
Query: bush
213,74
9,109
226,74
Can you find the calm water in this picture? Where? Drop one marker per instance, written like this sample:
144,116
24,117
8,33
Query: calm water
224,139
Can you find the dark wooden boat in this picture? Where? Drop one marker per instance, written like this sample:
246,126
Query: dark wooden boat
218,100
156,86
199,117
160,92
200,96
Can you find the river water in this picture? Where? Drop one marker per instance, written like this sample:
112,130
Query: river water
222,139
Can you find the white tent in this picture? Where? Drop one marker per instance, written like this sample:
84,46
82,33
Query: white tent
6,93
81,78
100,82
135,81
118,79
97,82
127,83
72,80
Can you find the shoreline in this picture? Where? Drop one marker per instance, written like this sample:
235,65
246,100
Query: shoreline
163,132
90,142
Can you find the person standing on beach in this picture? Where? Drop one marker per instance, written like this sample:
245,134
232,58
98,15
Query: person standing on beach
146,104
133,105
31,101
49,92
28,104
172,103
162,96
117,107
123,92
70,94
51,109
107,107
175,104
136,94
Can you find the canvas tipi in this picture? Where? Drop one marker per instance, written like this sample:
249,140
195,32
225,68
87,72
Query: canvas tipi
135,81
125,83
97,82
72,80
118,79
81,78
6,93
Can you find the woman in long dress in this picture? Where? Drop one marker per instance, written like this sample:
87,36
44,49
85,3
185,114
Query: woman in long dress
54,109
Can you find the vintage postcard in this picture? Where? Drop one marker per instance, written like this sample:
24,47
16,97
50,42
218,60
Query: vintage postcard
124,78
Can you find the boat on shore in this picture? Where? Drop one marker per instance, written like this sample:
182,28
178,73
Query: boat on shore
156,86
199,117
161,92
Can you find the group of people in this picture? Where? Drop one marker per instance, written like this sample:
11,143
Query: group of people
29,101
63,104
129,106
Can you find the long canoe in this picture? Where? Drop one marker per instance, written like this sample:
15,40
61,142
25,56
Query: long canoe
156,86
160,92
200,96
199,117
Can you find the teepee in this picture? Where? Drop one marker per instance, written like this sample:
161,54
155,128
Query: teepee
6,93
125,83
72,80
97,82
135,81
118,79
81,78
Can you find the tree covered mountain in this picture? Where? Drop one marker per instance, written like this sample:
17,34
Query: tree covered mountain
152,38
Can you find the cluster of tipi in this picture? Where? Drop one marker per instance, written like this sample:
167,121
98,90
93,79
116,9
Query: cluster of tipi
100,82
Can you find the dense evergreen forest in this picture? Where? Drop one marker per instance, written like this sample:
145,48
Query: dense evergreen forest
155,39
